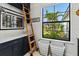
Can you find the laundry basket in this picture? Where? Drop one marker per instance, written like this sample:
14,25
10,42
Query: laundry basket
57,48
43,47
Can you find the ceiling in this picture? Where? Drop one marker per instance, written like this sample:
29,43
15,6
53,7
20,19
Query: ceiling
19,5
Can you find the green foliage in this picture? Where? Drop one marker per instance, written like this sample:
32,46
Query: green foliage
57,28
52,16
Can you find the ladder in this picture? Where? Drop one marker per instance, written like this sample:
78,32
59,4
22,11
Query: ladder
29,30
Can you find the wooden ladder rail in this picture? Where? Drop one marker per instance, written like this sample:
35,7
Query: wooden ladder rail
25,22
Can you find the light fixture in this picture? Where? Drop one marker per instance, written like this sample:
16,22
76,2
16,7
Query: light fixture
77,12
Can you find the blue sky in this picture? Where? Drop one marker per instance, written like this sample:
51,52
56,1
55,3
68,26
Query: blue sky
58,7
61,7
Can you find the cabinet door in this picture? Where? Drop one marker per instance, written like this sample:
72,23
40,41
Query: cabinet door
25,45
6,51
18,47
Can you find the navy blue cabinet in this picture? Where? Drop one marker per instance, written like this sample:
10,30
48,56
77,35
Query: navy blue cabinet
17,47
25,45
6,51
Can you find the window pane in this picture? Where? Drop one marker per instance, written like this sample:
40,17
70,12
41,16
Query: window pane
66,16
62,7
47,13
59,16
56,30
63,16
46,10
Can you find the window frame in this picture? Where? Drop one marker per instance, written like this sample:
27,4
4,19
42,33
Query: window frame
58,22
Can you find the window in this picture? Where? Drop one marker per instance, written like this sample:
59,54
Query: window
56,22
10,20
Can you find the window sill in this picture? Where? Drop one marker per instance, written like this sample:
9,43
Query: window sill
66,42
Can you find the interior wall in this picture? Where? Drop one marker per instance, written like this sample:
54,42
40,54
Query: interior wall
71,46
7,35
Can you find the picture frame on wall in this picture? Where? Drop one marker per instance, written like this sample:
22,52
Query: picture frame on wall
37,19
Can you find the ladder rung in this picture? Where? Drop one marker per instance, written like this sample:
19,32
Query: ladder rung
32,41
32,49
31,35
26,8
27,13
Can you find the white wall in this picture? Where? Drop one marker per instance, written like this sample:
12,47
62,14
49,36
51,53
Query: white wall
71,47
7,35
